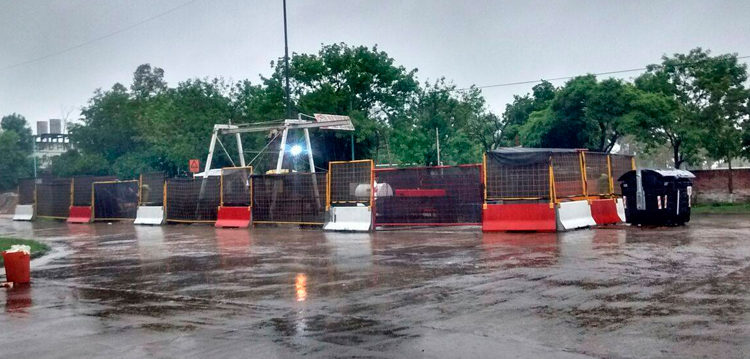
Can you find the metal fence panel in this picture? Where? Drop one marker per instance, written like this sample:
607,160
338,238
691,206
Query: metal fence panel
26,191
236,186
441,195
53,198
517,181
620,165
193,200
295,198
568,175
115,200
597,174
152,189
350,182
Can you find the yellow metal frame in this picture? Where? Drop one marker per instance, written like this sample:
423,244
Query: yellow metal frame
552,195
609,174
52,217
632,163
328,183
584,179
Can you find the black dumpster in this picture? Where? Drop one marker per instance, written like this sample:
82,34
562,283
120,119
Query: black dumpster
657,197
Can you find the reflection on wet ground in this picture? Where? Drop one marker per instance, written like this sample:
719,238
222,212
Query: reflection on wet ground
116,290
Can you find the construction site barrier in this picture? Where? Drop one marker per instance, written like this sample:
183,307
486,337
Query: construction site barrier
192,200
115,200
81,198
620,164
604,211
350,195
291,198
620,205
574,215
25,207
599,183
429,196
539,217
80,214
150,199
236,197
53,198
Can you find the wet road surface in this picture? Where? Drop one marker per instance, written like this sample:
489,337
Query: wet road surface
117,290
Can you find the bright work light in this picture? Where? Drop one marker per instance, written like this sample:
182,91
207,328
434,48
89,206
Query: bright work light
296,150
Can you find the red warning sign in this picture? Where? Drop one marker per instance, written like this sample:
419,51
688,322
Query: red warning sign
195,166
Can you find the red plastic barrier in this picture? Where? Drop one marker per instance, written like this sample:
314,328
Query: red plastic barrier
79,214
420,193
238,217
17,267
604,211
537,217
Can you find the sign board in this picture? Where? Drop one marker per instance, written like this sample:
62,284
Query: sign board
323,118
195,166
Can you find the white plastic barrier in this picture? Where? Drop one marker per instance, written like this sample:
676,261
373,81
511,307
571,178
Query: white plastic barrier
620,204
575,214
357,219
150,215
24,212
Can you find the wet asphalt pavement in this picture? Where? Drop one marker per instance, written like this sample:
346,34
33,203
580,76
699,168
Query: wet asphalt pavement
197,292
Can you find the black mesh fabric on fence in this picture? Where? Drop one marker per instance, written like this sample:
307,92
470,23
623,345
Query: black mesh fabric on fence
349,182
620,165
26,191
193,199
236,187
152,189
82,188
296,198
116,200
443,195
597,174
53,198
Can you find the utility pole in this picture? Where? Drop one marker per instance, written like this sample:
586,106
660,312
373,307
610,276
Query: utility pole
286,68
437,144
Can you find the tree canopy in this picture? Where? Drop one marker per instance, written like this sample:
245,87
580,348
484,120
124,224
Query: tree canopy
695,104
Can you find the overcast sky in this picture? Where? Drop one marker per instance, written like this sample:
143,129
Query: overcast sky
468,42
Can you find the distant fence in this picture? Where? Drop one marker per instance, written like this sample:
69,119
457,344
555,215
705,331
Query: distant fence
440,195
712,186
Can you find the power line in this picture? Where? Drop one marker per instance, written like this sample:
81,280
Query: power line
106,36
506,84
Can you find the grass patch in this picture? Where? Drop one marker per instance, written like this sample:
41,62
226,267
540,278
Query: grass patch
725,208
38,249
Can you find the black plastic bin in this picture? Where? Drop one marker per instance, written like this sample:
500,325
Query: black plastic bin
665,196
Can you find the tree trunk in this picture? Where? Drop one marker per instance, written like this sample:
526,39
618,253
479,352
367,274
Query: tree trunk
730,182
676,154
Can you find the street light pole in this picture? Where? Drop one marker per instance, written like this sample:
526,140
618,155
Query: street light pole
286,68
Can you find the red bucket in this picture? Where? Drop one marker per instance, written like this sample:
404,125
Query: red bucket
17,267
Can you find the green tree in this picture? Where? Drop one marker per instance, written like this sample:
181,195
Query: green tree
689,98
363,83
16,146
517,113
109,125
17,123
72,163
584,113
